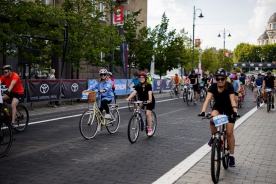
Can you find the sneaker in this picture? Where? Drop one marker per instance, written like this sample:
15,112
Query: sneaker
272,107
210,142
107,116
13,124
232,161
150,132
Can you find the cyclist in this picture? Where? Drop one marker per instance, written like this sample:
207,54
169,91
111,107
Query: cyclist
205,80
186,79
109,75
15,90
257,82
224,95
135,80
144,91
269,82
103,86
149,79
211,79
194,80
176,81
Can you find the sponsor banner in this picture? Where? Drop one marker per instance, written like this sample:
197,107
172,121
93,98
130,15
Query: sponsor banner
43,90
73,88
246,65
167,84
157,84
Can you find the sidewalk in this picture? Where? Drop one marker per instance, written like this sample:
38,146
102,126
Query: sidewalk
255,154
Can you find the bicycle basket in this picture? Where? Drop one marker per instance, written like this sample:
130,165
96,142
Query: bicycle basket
92,96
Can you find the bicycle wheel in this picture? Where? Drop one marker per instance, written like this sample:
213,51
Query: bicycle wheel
225,158
5,137
184,96
268,103
21,118
258,101
154,123
133,128
202,95
215,160
88,124
189,98
114,122
171,93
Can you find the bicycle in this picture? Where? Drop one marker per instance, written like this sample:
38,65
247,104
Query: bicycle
174,91
21,117
92,120
259,96
190,95
137,123
269,99
185,88
6,135
202,94
220,151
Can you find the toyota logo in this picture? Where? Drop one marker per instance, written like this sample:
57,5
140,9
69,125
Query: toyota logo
74,87
243,64
168,82
158,82
235,65
44,88
260,64
251,64
268,64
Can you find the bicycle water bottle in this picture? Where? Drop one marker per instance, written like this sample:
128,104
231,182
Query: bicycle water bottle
6,111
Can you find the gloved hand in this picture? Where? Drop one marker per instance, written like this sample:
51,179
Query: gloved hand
201,114
7,92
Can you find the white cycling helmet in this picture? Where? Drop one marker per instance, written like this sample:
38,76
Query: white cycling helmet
109,73
103,71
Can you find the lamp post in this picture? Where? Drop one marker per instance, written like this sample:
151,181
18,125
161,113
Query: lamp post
194,17
229,35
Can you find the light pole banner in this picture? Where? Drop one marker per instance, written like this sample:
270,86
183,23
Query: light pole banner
118,15
199,67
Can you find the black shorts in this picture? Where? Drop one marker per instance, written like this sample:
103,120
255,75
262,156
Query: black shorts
150,106
195,88
20,97
228,112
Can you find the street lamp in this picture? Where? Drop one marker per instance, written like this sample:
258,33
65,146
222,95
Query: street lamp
229,35
200,16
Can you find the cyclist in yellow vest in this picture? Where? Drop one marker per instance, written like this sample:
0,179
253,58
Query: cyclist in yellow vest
149,79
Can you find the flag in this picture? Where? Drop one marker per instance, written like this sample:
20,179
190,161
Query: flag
199,67
124,52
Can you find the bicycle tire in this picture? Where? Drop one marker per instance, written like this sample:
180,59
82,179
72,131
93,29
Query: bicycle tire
225,158
171,93
133,129
202,96
21,118
215,160
268,103
258,101
6,137
114,125
154,123
184,96
88,124
189,98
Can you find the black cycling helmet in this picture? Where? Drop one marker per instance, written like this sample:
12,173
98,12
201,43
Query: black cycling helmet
136,74
7,67
192,71
259,74
268,72
221,72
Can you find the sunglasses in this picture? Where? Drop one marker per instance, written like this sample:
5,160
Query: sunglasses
5,72
102,74
220,79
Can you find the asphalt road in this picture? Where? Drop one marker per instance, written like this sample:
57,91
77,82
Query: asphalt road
53,151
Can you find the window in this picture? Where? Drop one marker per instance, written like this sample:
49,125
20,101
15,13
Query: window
271,26
274,26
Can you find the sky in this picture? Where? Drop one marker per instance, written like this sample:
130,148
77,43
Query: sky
246,20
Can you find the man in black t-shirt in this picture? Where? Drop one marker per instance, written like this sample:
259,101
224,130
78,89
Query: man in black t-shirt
194,80
205,80
269,82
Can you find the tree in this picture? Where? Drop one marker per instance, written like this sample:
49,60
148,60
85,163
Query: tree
209,60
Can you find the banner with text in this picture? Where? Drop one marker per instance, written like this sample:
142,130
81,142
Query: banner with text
73,88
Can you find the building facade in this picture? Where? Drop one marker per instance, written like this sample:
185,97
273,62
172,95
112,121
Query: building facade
37,70
269,35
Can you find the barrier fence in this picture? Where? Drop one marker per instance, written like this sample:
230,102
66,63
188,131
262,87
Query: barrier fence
69,89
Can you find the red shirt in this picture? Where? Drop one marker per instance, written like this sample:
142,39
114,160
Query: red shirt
17,88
